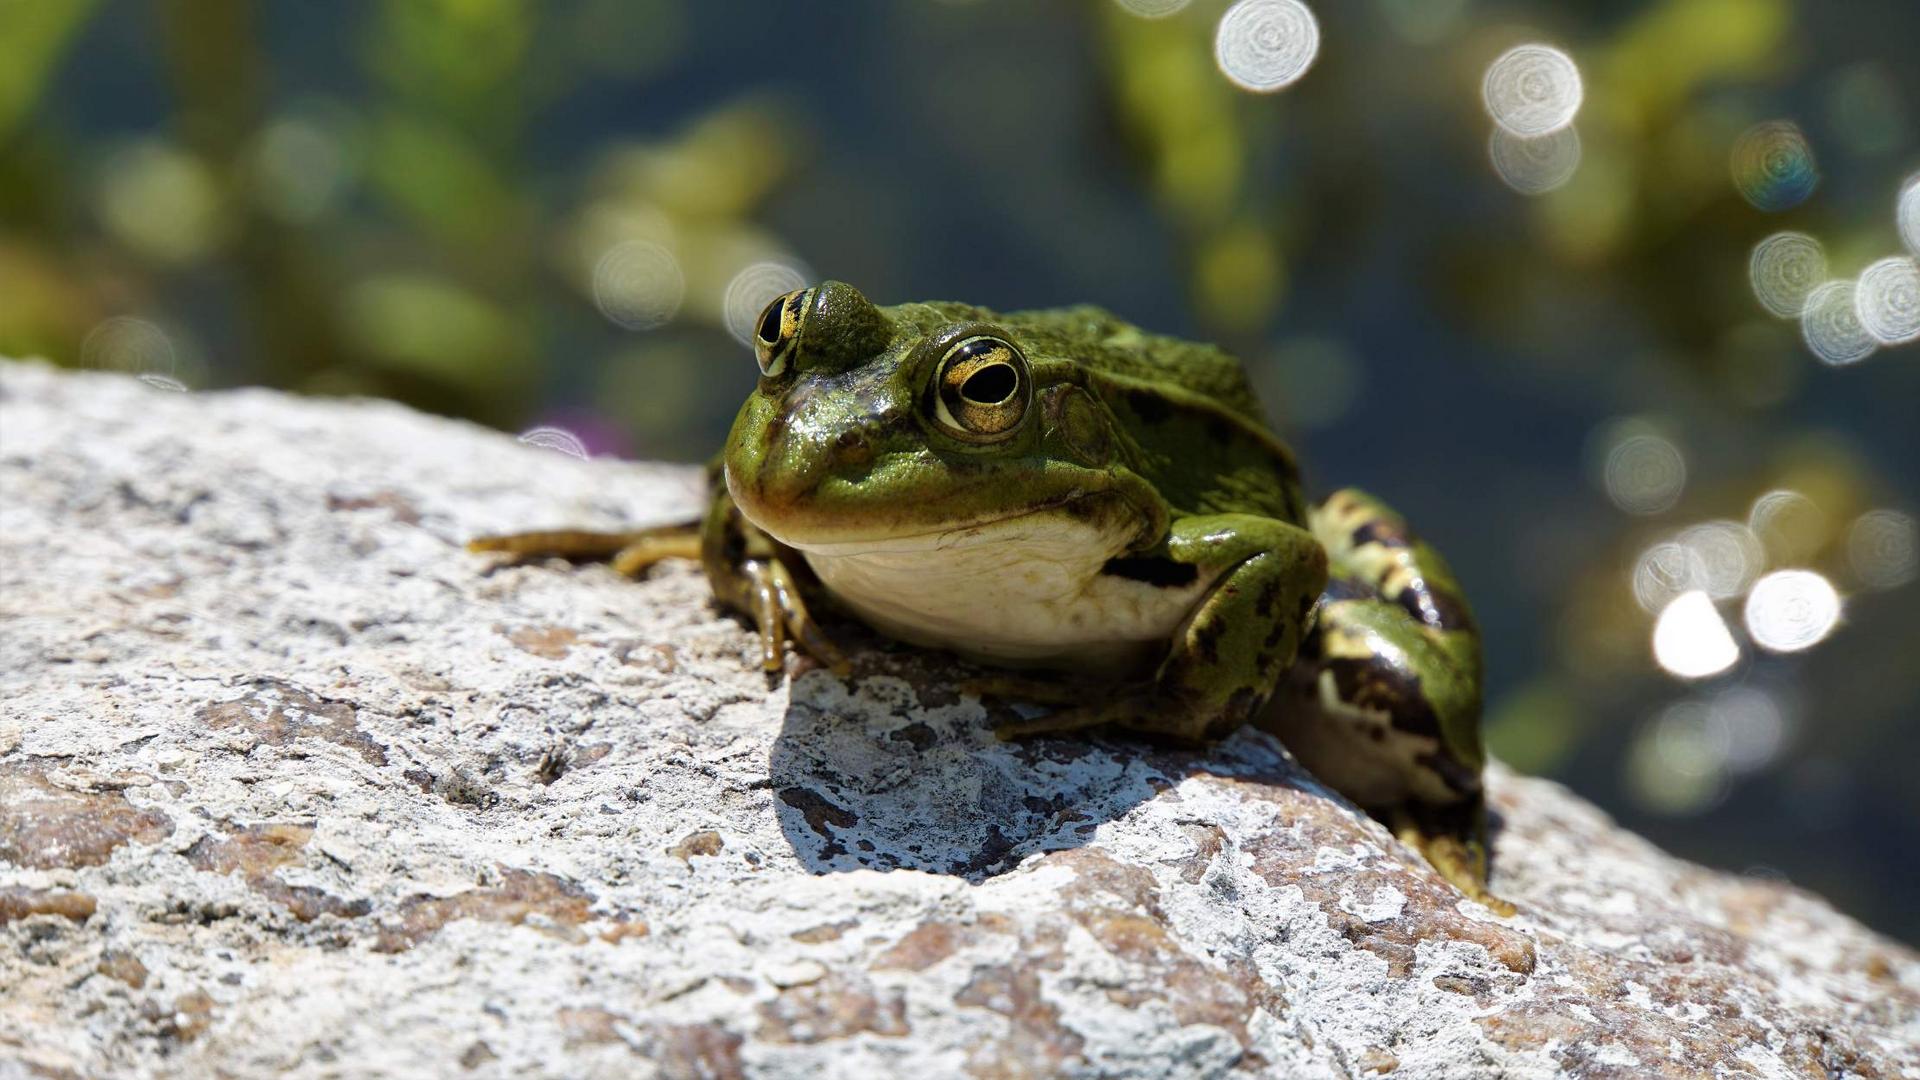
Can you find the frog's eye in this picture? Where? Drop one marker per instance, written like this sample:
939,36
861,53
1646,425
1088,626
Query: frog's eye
777,330
981,392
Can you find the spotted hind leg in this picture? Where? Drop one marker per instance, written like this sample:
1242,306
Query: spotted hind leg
1384,702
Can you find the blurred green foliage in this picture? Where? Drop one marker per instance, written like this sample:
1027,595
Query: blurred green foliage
540,212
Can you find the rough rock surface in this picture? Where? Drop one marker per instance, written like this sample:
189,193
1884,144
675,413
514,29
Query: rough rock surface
291,783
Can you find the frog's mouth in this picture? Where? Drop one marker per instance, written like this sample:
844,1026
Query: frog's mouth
831,538
946,537
840,517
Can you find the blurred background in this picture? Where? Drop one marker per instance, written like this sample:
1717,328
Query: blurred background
1609,297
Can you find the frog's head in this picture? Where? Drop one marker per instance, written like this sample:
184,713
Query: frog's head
872,424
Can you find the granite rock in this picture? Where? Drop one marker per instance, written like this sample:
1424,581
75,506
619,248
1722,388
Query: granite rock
292,784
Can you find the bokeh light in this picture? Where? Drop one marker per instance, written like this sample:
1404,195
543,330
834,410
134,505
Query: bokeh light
1684,758
161,201
1266,45
1907,214
1677,764
1538,165
1773,166
299,169
1152,9
1732,555
638,284
1750,727
128,346
1663,572
1865,110
1791,610
1831,325
1887,300
1785,269
752,289
557,439
1533,90
1791,526
1883,546
1691,640
1644,473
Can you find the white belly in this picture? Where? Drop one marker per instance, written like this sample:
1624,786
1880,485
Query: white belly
1025,592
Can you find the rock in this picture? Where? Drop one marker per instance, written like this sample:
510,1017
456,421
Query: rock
290,782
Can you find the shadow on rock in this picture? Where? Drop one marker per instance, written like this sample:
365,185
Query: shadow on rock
879,775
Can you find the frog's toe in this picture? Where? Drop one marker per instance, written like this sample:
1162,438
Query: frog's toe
1462,861
652,547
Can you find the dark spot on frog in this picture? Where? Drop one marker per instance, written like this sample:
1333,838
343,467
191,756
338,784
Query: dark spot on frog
1389,688
1220,430
1348,588
1435,608
1206,640
1274,635
1269,598
1157,570
1457,776
1386,533
1148,405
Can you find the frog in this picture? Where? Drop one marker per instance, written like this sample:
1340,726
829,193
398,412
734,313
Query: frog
1103,516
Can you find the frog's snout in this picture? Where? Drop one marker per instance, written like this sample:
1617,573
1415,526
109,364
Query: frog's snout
796,462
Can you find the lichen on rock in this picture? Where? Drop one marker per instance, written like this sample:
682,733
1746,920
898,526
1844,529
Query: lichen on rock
291,783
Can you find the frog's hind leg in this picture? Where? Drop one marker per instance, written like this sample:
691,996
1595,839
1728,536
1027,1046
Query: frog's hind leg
1384,703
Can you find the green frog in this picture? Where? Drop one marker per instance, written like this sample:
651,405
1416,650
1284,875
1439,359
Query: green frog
1062,490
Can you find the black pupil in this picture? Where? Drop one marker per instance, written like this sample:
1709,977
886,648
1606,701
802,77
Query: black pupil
770,321
990,385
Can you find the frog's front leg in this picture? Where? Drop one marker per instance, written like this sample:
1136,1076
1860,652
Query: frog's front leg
748,570
754,574
1384,704
1235,646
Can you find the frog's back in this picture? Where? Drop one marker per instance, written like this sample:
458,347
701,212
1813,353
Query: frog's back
1104,342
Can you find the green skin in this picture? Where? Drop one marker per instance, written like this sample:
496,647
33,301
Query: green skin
1330,626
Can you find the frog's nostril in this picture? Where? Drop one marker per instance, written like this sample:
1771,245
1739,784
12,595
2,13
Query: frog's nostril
852,447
